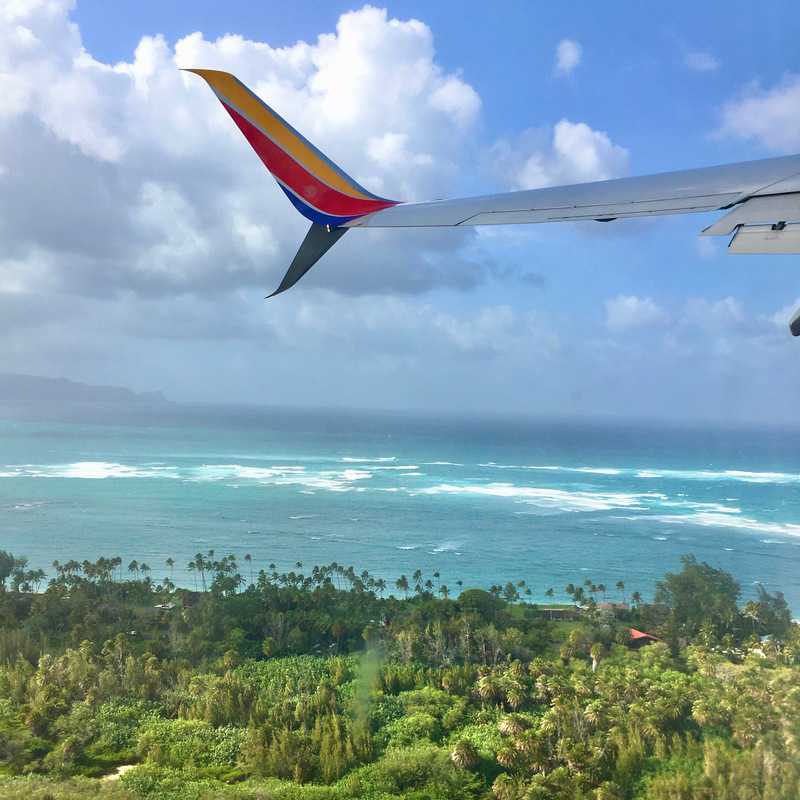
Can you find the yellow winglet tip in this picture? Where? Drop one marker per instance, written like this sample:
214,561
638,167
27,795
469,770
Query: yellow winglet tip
206,73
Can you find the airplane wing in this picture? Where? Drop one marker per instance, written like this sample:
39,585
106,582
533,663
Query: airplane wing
762,197
708,189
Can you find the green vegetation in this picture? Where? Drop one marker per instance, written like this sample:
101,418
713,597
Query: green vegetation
326,687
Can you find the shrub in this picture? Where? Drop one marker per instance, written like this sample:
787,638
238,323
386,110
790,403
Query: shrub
181,743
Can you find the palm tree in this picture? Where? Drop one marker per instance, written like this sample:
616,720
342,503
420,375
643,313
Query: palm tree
464,755
444,591
751,612
507,757
249,559
37,576
170,562
636,598
596,653
192,567
402,584
133,567
201,564
621,588
489,689
550,593
601,587
511,725
510,593
380,585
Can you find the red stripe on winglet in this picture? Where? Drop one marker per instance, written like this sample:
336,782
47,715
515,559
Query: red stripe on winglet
299,179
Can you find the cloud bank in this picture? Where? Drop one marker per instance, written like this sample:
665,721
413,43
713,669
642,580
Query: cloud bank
140,234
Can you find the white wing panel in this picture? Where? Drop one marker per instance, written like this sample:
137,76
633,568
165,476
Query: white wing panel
769,208
752,239
603,212
705,189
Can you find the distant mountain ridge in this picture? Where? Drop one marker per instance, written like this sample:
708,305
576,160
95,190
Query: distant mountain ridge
32,394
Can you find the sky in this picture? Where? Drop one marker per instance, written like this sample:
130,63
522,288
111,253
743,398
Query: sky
140,233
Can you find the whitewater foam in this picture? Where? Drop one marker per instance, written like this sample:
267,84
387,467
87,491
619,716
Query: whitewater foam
559,499
710,519
93,470
747,476
358,460
447,547
291,475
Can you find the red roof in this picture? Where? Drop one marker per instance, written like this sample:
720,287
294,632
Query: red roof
641,635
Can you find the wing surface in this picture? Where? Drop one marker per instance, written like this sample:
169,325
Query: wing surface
686,191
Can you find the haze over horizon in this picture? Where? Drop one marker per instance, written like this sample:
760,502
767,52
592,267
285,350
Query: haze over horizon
141,233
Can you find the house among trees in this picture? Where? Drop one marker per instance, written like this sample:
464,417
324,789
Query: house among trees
639,639
561,612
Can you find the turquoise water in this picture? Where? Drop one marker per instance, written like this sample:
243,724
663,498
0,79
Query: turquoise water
479,501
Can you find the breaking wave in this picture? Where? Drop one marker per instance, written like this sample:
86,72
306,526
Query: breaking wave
558,499
745,476
711,519
447,547
232,474
359,460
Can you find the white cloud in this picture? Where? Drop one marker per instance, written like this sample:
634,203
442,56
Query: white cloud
701,61
139,231
717,315
134,179
708,248
783,316
625,312
571,152
770,117
457,98
568,57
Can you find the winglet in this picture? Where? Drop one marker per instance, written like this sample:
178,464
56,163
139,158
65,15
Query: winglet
319,239
320,190
317,188
794,323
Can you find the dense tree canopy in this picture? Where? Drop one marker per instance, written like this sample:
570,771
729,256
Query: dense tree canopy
318,687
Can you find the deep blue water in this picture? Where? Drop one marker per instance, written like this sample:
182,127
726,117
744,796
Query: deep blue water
479,501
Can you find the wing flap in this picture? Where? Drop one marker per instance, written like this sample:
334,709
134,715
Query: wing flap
766,239
770,209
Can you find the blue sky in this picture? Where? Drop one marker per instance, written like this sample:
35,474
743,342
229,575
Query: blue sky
633,81
637,318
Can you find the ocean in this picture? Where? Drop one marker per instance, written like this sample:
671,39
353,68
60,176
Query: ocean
479,501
